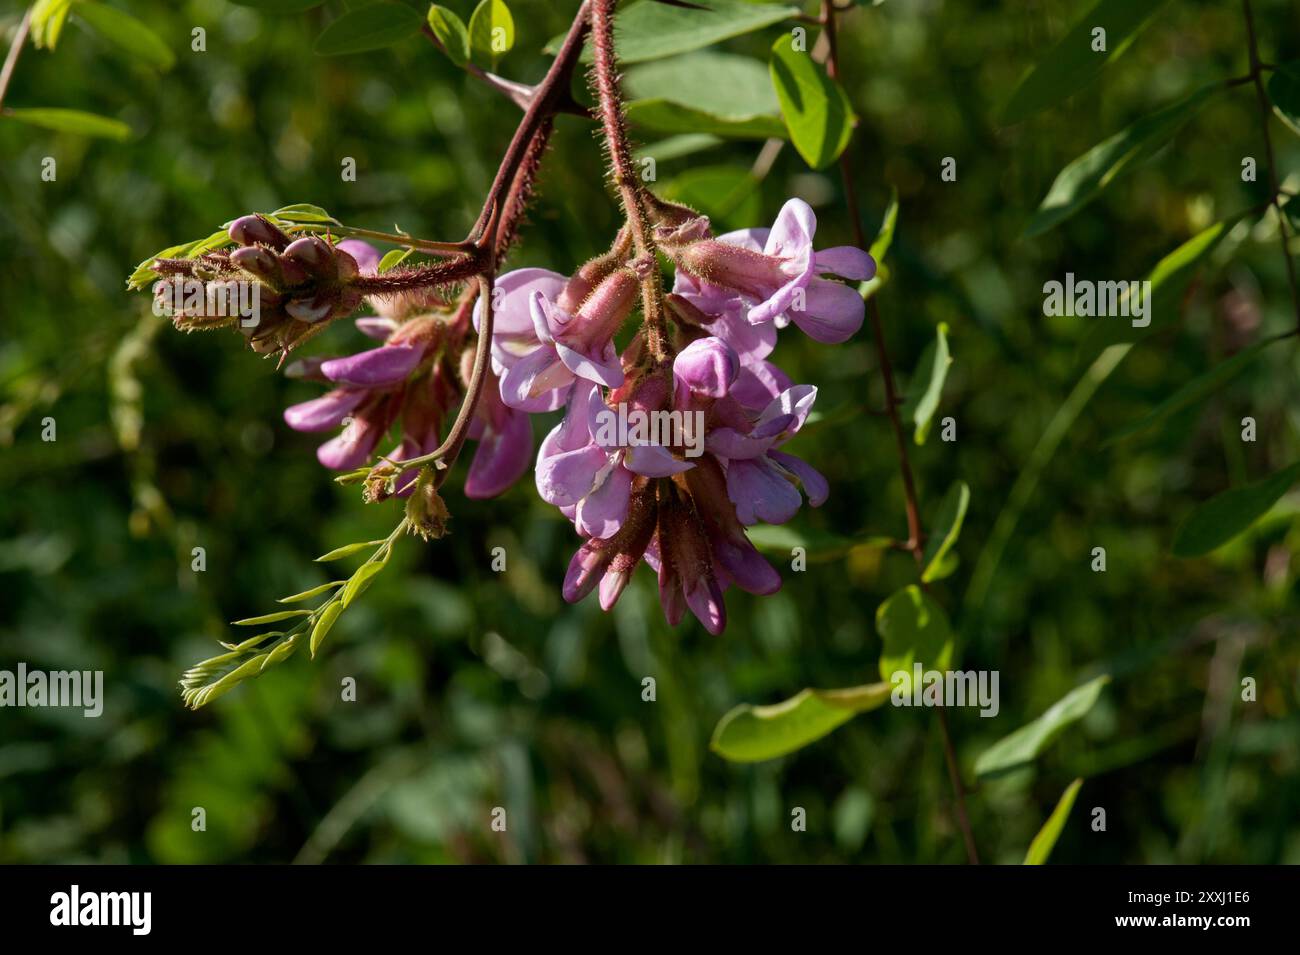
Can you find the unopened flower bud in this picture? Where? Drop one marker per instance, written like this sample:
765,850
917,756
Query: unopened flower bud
426,511
259,263
315,255
313,309
250,230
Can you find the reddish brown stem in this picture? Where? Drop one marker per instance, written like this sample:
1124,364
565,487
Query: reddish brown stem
915,534
631,189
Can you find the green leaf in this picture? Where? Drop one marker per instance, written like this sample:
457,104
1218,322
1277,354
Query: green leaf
392,259
144,272
372,27
1026,743
126,32
947,528
706,92
880,248
1084,178
71,121
361,580
1071,63
914,629
279,6
347,549
1216,521
926,387
48,17
647,30
818,545
451,33
675,147
303,212
726,194
815,107
665,116
1045,841
1196,390
271,618
491,32
1284,92
323,625
1169,280
314,591
751,734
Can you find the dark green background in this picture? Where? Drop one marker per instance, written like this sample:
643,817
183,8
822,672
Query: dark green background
479,689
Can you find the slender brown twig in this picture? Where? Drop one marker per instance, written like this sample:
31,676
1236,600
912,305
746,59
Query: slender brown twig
916,536
630,187
15,49
1265,111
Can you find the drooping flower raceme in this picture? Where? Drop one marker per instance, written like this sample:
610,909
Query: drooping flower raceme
679,500
410,378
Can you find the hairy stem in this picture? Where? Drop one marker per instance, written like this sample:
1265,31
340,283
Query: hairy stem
916,537
631,190
1257,68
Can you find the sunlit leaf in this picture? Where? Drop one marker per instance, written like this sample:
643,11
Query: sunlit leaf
451,33
126,32
491,32
1284,92
1026,743
71,121
946,530
926,387
750,734
815,107
323,625
347,549
1045,841
704,92
271,618
914,629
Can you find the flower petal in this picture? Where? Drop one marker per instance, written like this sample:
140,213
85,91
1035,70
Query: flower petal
832,312
569,476
707,366
325,412
502,456
761,493
815,486
376,368
651,460
511,294
602,512
366,255
846,261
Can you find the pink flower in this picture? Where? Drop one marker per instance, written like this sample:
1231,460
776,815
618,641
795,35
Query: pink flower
777,276
685,515
543,342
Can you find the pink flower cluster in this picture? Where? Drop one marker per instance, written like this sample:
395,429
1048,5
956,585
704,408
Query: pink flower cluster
683,505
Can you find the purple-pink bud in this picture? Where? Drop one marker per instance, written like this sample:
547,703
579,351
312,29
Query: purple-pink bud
315,255
249,230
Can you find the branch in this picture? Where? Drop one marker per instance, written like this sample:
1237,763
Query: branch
916,536
15,49
1265,111
631,190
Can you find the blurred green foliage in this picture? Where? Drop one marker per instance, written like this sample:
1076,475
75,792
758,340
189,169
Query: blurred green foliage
479,689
